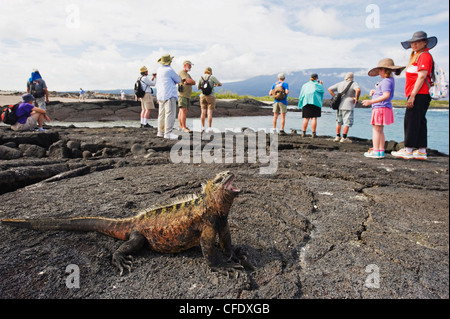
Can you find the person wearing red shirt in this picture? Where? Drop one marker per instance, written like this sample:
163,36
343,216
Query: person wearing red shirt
418,83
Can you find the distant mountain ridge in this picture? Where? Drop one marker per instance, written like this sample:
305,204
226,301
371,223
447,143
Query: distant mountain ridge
260,85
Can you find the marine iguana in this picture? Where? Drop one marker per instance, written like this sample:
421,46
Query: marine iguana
189,222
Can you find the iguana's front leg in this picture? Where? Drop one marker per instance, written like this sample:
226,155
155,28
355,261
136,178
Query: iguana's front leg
207,242
237,256
121,257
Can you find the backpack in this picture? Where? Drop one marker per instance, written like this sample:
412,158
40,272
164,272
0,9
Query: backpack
8,114
206,86
37,89
438,86
336,99
138,90
279,93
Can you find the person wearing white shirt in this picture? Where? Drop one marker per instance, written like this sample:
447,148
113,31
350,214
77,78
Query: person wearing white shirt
147,101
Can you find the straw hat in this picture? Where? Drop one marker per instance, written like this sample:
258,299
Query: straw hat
143,69
420,35
166,59
386,64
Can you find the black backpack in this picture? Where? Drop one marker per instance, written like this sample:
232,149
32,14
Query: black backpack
206,86
336,99
8,114
37,89
138,90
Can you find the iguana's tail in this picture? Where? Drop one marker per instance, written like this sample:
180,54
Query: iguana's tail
117,228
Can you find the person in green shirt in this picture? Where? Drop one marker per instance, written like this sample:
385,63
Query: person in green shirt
310,102
184,94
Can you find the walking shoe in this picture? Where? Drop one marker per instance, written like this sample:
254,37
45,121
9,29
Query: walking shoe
313,135
420,156
282,132
146,126
345,140
372,154
186,130
337,139
160,135
171,136
403,154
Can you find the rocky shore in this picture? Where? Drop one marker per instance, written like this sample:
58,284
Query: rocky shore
327,223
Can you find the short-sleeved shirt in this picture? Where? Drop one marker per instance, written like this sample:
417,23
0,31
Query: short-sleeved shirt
187,89
285,87
147,84
424,62
23,112
347,101
386,85
212,80
40,85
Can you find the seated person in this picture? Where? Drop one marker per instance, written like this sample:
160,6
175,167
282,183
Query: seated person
29,117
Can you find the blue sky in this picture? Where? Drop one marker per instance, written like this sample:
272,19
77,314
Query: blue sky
102,44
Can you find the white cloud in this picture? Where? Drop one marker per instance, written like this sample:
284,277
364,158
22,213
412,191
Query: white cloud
320,21
102,44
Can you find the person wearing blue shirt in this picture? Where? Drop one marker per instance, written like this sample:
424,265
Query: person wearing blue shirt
167,95
280,105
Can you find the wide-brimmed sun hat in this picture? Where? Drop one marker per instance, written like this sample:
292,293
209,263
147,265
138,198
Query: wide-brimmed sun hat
386,64
166,59
420,35
143,69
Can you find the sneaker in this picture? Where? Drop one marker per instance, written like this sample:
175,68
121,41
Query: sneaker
171,136
372,154
345,140
403,154
420,156
282,132
160,135
337,139
146,126
313,135
186,130
40,129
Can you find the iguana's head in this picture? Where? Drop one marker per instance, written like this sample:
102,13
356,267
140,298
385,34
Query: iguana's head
220,188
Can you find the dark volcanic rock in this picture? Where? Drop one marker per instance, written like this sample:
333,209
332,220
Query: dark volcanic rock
327,223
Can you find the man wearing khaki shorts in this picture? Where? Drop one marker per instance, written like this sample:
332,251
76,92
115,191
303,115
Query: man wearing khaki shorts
208,102
280,102
147,101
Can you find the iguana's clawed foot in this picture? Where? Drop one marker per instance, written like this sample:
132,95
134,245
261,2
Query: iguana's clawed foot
230,269
241,258
122,262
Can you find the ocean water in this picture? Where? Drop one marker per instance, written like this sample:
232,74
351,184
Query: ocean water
438,125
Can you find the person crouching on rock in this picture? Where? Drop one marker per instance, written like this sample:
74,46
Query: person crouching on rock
29,117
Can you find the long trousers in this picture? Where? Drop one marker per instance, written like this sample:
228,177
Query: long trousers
167,115
415,124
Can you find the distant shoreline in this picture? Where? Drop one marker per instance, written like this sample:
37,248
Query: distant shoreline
12,97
